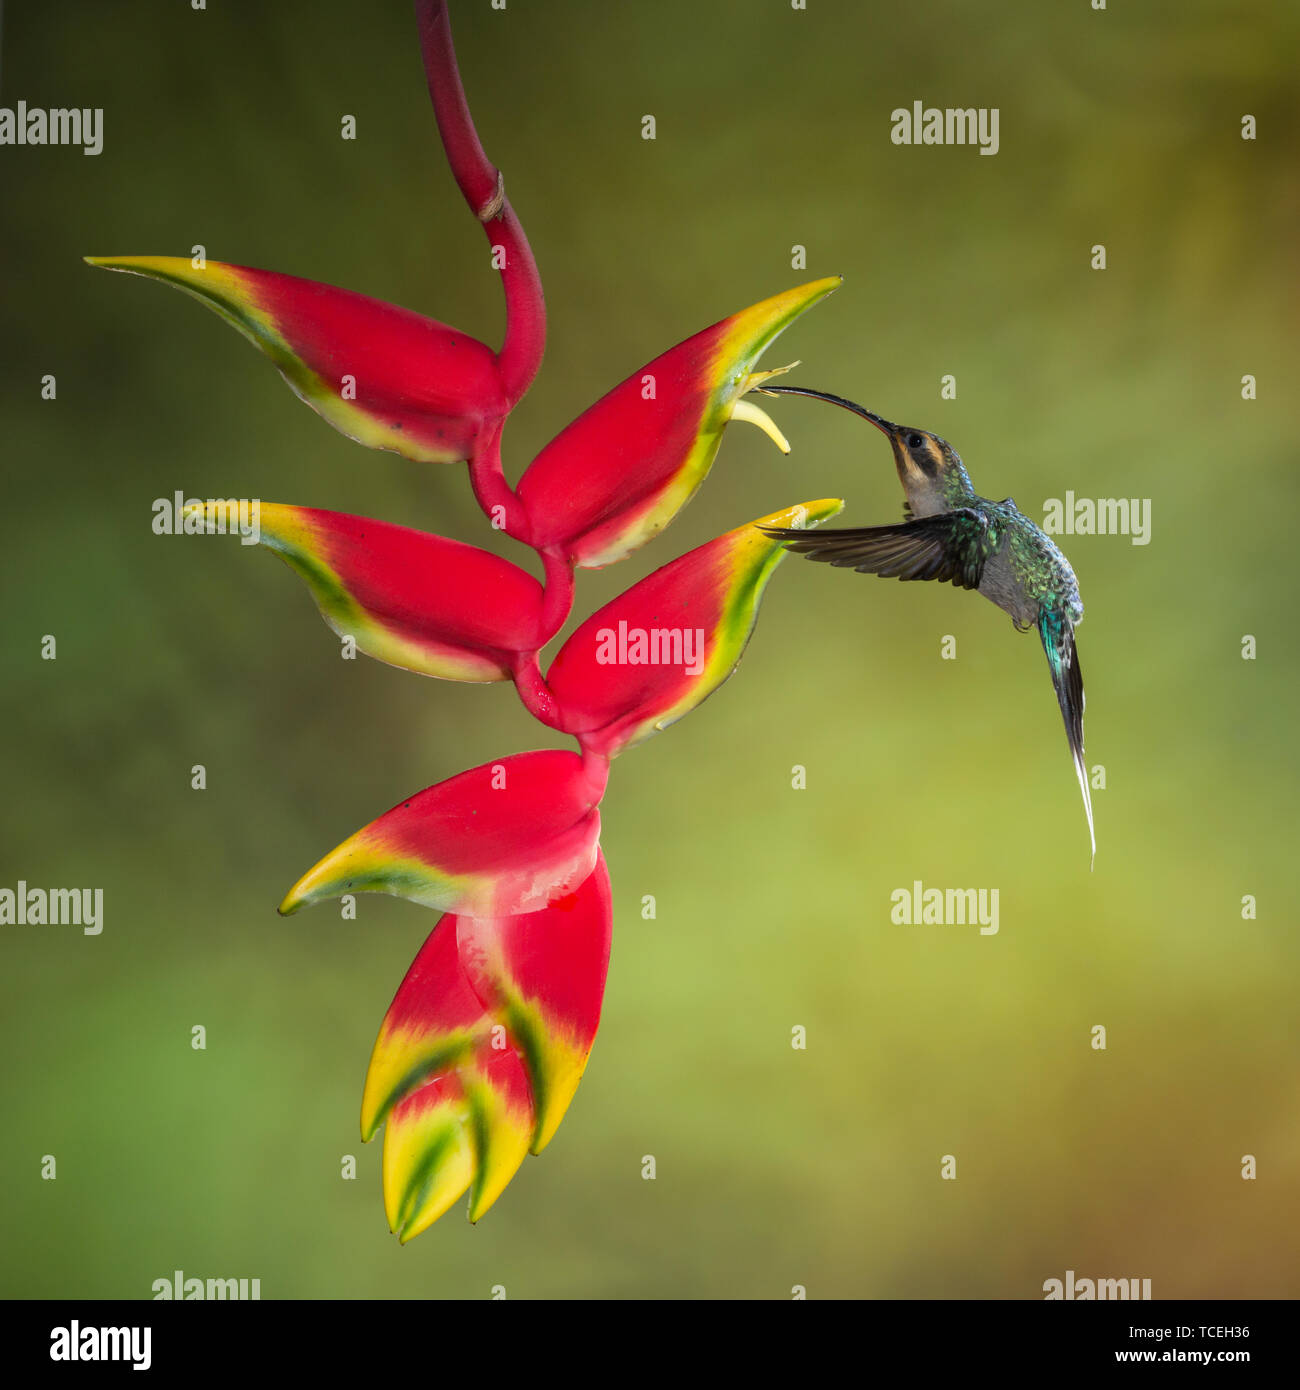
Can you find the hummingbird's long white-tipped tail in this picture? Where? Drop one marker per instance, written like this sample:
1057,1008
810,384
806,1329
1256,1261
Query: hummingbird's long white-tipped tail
1082,773
1063,661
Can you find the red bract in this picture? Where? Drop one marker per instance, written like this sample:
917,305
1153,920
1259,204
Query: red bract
543,976
417,601
482,1049
655,652
509,836
619,473
386,377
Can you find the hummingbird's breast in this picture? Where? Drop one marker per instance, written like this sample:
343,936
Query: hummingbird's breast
1000,584
1028,572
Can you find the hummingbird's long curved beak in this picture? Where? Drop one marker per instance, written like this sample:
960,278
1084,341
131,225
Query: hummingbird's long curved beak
885,426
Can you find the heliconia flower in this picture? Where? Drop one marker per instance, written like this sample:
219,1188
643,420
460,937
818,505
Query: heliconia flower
482,1050
620,472
656,651
488,1036
414,600
508,836
384,376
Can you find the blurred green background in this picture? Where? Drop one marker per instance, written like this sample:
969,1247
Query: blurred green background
776,1167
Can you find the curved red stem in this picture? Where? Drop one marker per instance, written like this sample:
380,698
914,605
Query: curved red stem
494,495
536,695
558,601
595,766
482,187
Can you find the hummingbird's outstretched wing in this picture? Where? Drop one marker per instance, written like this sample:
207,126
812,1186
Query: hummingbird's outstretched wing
1057,633
951,546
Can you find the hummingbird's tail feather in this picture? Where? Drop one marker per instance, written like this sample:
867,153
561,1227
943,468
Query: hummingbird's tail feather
1057,633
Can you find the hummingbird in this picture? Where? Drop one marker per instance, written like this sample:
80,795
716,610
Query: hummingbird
952,534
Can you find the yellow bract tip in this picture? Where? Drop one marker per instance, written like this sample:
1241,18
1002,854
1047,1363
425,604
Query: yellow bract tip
303,893
803,515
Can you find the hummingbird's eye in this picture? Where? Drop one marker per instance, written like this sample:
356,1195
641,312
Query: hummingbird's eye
914,441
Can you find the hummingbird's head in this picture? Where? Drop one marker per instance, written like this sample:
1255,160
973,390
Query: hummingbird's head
929,468
919,456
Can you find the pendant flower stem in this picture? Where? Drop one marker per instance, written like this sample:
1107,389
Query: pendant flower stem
557,600
483,187
491,491
537,697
